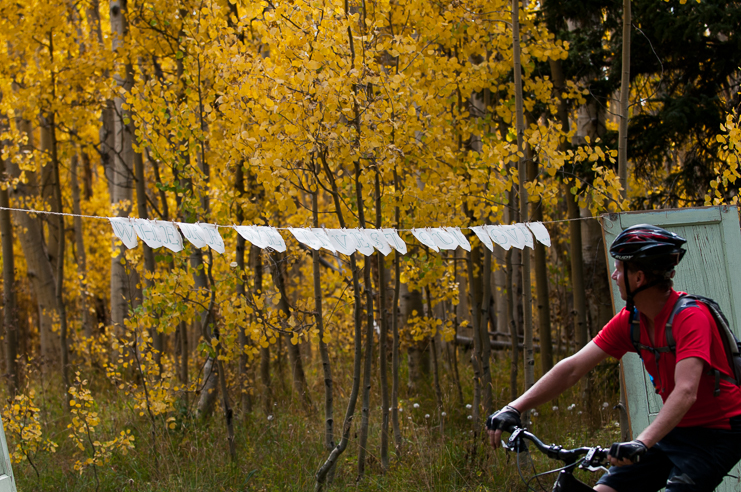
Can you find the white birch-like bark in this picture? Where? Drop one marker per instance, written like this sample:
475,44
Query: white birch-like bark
123,277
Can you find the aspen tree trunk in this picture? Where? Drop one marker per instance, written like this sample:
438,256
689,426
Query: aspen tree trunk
10,308
577,272
33,242
207,398
522,173
80,247
435,368
246,403
329,464
624,101
210,335
395,352
59,285
39,270
123,282
499,289
487,402
383,336
476,357
47,190
454,347
323,348
411,301
512,326
108,112
365,419
541,280
298,376
148,253
183,362
267,393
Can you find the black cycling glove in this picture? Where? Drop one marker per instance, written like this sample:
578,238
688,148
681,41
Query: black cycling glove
505,419
632,450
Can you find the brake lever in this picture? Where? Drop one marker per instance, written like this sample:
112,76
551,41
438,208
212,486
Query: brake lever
591,462
515,443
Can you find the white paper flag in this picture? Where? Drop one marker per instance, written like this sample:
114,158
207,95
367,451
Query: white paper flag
322,236
212,237
499,235
376,238
460,237
394,240
364,246
443,239
193,233
306,236
124,230
146,233
343,241
425,238
526,235
275,240
168,235
541,233
253,235
516,238
483,237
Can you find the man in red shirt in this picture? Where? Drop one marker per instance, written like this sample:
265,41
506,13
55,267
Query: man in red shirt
696,438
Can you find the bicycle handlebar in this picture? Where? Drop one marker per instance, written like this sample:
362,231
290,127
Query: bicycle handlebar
594,457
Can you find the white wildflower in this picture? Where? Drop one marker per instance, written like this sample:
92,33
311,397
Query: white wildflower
468,406
555,408
427,415
233,264
270,417
416,405
444,414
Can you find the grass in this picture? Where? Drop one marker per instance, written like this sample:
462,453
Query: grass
283,453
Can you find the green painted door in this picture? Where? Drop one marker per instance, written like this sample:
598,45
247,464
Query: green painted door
713,250
7,480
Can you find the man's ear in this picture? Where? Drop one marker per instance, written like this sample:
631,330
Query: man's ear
640,278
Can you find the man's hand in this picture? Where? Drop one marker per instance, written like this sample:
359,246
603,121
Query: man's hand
504,420
626,453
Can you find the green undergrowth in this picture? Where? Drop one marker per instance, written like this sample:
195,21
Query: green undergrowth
281,450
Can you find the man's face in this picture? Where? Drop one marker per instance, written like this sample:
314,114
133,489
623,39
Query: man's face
618,275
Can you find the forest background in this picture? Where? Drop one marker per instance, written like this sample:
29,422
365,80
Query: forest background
328,113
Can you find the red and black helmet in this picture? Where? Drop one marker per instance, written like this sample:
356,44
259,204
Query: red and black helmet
649,245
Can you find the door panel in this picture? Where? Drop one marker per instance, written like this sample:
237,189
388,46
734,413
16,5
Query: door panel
7,480
713,254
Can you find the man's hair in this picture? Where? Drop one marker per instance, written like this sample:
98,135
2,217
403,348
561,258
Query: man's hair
661,277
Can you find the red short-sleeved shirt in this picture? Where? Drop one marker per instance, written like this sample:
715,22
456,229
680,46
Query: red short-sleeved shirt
696,336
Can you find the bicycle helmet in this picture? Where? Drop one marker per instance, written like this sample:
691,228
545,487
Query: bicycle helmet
654,249
649,245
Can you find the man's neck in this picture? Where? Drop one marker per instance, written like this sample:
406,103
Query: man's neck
651,301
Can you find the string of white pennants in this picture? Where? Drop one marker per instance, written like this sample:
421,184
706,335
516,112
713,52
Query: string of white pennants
157,234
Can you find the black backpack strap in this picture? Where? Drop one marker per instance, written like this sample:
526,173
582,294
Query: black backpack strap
683,302
635,337
690,300
635,331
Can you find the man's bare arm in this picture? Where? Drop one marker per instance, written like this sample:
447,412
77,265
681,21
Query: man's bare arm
564,375
687,375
